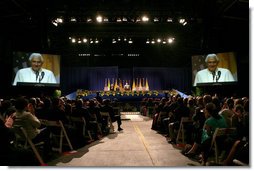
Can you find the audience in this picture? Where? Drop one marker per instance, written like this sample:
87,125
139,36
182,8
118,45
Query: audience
207,114
10,155
114,117
31,124
180,111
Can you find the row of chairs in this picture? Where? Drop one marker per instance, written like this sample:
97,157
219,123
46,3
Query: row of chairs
63,134
23,140
219,132
108,121
78,120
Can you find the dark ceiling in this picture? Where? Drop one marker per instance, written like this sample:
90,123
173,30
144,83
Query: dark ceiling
213,25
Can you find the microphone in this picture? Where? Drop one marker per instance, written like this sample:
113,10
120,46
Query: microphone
42,76
37,74
213,74
218,76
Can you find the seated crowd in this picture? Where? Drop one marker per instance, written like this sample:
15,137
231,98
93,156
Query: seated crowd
205,113
29,113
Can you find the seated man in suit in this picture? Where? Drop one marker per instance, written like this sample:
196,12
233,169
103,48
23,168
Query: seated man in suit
108,108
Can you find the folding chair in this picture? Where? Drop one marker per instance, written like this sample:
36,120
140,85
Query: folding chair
63,133
95,121
181,131
21,135
116,110
108,120
161,116
81,120
220,132
150,111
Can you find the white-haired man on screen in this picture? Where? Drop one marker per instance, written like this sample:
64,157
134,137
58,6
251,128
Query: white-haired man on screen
213,73
35,73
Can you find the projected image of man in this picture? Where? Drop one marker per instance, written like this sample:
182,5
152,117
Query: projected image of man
35,73
213,73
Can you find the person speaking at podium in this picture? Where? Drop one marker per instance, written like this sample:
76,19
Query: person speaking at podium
213,74
35,73
127,87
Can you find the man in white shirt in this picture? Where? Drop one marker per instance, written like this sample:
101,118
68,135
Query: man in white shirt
213,73
35,73
126,86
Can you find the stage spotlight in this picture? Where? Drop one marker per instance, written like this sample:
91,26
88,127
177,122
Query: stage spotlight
182,21
133,20
145,19
99,19
138,20
105,19
158,40
113,41
73,19
54,23
57,21
73,40
125,19
169,19
84,40
152,41
130,41
89,20
118,20
156,19
170,40
147,41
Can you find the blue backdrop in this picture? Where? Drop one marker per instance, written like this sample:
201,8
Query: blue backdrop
93,78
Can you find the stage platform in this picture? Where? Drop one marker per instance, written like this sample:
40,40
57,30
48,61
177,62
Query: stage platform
126,95
134,117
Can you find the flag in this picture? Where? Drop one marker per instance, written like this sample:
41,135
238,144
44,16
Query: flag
147,86
115,86
108,84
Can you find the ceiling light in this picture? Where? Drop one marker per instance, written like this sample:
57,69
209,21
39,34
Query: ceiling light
73,19
85,40
156,19
118,19
125,19
89,20
73,40
99,19
145,19
158,40
181,20
169,19
170,40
